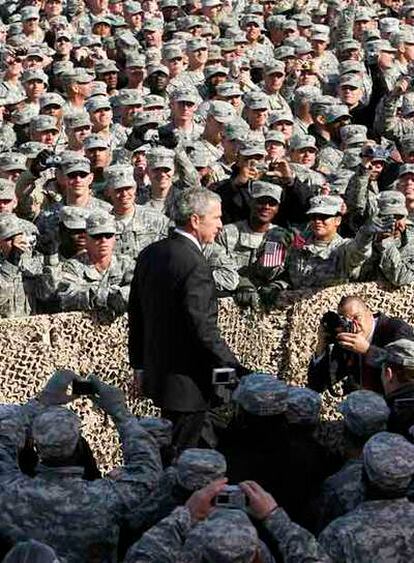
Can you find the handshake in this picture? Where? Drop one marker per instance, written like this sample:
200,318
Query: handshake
108,398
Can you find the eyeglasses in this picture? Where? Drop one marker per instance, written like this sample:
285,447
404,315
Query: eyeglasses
102,235
186,103
323,218
76,174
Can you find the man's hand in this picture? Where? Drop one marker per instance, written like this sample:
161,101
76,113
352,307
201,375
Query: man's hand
261,503
199,504
110,399
282,171
20,243
355,342
55,390
246,294
401,86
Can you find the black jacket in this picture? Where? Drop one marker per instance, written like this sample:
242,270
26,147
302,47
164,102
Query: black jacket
364,375
173,334
401,403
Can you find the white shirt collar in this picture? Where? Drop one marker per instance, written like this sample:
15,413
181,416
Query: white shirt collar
189,236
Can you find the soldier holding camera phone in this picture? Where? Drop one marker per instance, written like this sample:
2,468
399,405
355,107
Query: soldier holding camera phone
362,335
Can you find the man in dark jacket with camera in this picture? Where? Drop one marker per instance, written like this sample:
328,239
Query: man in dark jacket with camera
350,349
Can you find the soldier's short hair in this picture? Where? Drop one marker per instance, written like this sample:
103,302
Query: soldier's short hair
192,201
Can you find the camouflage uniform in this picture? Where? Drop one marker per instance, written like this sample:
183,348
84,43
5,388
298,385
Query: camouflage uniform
223,267
359,535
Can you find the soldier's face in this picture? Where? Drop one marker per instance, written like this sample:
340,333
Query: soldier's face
324,227
265,209
285,127
406,186
122,199
100,246
274,82
78,182
252,31
102,117
361,317
47,137
183,109
208,225
7,205
275,150
161,178
175,66
350,95
257,117
306,156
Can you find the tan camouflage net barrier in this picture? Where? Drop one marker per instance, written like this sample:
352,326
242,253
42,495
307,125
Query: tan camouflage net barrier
278,342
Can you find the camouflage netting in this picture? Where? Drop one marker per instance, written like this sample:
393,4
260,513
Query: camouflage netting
278,342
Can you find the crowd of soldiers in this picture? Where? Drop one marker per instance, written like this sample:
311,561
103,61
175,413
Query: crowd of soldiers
299,114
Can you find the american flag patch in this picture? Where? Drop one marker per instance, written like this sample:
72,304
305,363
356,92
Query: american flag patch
273,255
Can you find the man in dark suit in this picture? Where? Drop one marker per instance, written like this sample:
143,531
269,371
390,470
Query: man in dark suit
360,366
173,334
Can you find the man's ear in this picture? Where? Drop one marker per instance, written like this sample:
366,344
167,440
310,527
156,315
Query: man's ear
389,374
194,221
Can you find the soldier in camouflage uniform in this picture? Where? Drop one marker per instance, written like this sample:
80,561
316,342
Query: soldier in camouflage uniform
359,535
365,413
325,258
77,518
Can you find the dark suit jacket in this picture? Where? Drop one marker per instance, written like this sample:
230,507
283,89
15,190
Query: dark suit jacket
173,334
387,330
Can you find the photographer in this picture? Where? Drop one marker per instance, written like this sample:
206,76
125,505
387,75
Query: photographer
351,349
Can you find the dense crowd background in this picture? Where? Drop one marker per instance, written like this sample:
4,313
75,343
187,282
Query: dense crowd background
300,116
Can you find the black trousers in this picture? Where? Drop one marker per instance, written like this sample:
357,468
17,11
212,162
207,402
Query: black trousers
190,429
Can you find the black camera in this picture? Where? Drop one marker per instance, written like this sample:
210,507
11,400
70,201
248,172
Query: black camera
333,323
225,381
48,159
83,387
231,497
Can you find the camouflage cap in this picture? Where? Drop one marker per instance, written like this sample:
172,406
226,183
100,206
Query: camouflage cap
273,136
257,100
339,181
153,24
96,141
34,74
385,46
350,66
200,157
389,25
10,226
329,205
229,90
348,45
196,44
260,188
252,19
78,75
222,112
159,428
7,189
185,94
168,4
73,217
363,15
62,67
196,468
303,406
12,161
407,168
44,123
261,394
106,65
29,13
51,99
335,112
227,45
278,116
353,133
135,59
391,202
215,70
407,106
63,34
303,20
56,432
158,68
144,118
97,103
79,164
25,115
274,67
153,101
365,413
76,120
132,7
226,536
31,149
119,176
252,147
236,131
98,88
172,51
350,81
128,97
299,142
307,93
400,352
160,157
99,223
284,52
275,22
389,461
13,424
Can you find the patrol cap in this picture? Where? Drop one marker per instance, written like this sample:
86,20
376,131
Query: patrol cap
226,536
299,142
153,24
278,116
303,406
353,134
275,137
159,428
168,4
266,189
389,25
227,45
10,225
284,52
200,157
135,60
80,164
95,141
97,103
76,120
100,223
160,157
62,67
34,74
63,34
56,432
29,13
275,21
391,202
79,76
261,394
24,116
365,413
35,52
339,181
257,100
73,217
350,66
229,90
351,81
7,189
128,97
152,101
252,147
31,550
255,19
389,461
44,123
338,111
329,205
384,45
400,352
133,7
196,468
12,161
406,169
348,45
13,423
215,70
144,118
51,99
222,112
363,15
158,68
172,51
185,94
236,131
119,176
275,67
32,148
106,65
303,20
196,44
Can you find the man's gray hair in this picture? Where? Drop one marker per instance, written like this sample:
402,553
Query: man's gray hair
192,201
